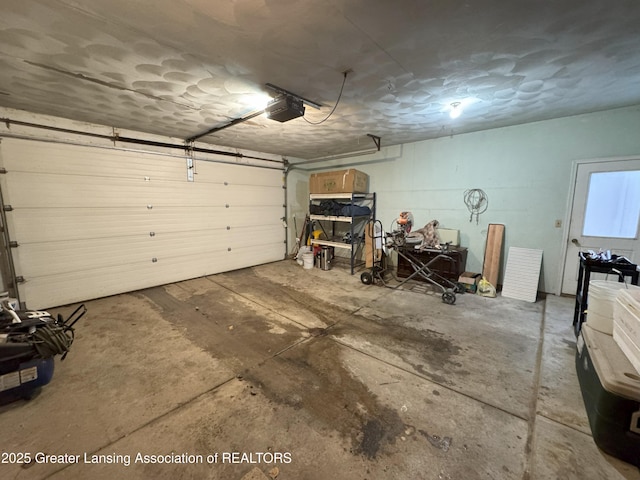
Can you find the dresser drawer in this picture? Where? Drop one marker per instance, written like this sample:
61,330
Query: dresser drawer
449,269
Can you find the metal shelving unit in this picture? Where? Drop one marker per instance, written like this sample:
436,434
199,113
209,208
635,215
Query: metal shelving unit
356,224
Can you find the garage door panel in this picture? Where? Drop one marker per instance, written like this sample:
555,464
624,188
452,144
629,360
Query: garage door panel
55,258
30,190
215,195
92,222
56,224
37,190
173,219
163,195
237,174
40,157
64,257
243,195
259,237
81,285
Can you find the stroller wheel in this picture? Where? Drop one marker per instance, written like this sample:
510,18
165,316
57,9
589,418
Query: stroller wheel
449,297
366,278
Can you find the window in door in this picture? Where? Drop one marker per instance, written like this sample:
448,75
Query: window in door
613,205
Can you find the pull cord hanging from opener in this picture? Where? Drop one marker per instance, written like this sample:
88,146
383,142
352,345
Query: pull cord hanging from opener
476,201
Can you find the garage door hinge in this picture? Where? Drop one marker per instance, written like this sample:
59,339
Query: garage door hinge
8,208
20,279
3,170
13,244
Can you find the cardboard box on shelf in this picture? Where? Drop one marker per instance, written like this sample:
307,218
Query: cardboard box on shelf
339,181
470,281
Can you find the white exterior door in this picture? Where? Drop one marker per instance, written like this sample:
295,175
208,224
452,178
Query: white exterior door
91,222
604,215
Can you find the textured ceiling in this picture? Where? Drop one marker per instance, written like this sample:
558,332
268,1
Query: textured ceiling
182,67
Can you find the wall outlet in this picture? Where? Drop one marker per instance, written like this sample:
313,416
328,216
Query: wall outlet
558,223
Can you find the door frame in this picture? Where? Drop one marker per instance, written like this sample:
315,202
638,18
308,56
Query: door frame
570,203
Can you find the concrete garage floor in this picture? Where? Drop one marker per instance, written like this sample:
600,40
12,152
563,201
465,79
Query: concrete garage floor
309,374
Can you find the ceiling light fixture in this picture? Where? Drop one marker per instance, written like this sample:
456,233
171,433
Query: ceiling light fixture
456,110
257,101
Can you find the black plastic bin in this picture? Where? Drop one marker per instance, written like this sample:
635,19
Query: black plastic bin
611,392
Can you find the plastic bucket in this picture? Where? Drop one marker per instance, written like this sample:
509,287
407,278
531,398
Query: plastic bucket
304,249
602,297
307,261
631,298
626,314
600,322
602,294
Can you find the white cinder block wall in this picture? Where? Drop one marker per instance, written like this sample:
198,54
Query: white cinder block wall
525,171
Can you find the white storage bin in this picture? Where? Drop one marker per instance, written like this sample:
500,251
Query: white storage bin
602,296
601,323
626,324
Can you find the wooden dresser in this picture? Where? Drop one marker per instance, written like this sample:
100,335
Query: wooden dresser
449,269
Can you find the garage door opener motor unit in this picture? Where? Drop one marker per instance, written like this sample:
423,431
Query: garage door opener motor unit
29,341
285,108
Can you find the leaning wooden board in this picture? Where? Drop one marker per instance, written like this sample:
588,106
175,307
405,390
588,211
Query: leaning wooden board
492,253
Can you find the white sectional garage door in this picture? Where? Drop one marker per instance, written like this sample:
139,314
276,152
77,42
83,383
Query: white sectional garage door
92,222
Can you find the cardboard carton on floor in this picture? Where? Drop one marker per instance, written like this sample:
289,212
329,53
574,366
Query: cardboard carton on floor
470,281
339,181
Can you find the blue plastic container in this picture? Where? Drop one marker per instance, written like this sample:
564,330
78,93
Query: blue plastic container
25,379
